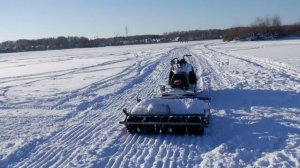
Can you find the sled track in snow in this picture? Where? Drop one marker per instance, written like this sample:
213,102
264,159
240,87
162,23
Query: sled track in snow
293,74
244,88
99,124
258,61
91,136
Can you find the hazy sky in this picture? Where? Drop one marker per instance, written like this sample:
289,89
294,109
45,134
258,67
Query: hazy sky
31,19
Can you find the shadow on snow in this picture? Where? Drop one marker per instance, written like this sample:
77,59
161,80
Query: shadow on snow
230,132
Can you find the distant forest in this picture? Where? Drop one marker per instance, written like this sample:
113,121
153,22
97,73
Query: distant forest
260,29
83,42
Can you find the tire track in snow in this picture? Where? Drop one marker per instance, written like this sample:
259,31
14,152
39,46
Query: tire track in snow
145,152
250,81
157,77
286,69
106,125
94,138
183,150
266,73
211,77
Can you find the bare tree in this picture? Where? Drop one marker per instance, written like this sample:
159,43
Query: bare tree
276,21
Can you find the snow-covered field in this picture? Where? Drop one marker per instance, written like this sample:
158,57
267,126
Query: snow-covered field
62,108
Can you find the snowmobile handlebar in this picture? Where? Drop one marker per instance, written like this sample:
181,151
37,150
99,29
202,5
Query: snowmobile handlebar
173,60
187,55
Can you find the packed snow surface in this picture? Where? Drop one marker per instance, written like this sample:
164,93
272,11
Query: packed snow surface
62,108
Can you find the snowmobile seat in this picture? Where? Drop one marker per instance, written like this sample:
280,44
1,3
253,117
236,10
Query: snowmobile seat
192,77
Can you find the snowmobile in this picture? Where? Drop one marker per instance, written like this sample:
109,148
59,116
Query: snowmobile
182,78
177,111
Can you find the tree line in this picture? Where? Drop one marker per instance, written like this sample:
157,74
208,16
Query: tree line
83,42
262,29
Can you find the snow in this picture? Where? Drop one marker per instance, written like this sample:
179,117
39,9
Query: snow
61,108
170,106
284,53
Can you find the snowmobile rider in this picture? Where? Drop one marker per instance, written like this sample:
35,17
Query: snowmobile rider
178,84
182,61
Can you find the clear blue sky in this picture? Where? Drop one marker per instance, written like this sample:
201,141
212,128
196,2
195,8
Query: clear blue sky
32,19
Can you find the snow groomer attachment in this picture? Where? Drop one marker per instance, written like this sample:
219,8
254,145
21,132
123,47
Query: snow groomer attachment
169,115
